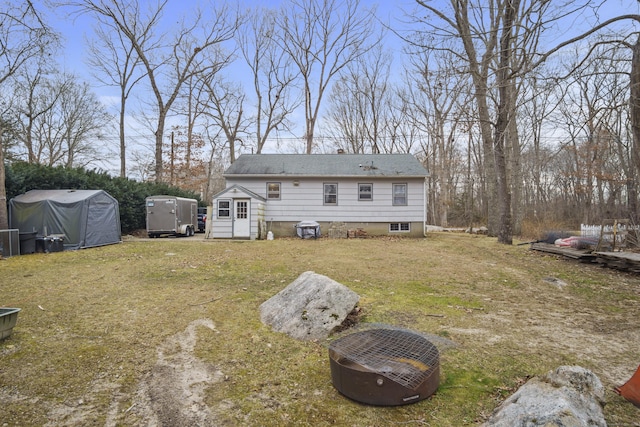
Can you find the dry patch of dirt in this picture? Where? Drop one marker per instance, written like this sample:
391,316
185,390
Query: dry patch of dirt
171,394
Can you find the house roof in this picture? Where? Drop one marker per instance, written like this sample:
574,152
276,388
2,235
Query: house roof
337,165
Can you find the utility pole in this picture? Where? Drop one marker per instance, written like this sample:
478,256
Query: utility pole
172,161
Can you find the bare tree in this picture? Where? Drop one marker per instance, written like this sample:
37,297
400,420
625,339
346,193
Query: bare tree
359,102
226,109
593,112
634,112
83,121
634,89
38,96
24,37
116,63
186,166
218,162
143,166
496,50
64,129
321,37
537,123
196,48
437,109
344,122
402,134
272,75
193,106
505,80
9,127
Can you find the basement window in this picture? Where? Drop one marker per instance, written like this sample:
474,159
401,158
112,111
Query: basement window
399,227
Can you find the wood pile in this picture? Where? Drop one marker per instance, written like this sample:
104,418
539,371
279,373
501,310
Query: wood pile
357,233
626,261
577,254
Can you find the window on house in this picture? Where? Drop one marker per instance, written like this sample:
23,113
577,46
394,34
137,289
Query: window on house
399,227
273,190
365,192
224,208
399,194
330,194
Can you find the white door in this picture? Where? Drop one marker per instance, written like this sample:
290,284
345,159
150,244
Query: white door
241,220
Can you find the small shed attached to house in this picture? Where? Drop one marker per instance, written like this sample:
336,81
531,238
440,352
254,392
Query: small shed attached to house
239,214
375,194
86,218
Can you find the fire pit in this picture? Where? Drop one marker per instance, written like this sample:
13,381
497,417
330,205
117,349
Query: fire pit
385,366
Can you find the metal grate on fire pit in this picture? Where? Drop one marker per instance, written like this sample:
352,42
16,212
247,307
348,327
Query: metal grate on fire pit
406,358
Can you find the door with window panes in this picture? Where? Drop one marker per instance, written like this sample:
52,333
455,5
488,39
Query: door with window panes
241,220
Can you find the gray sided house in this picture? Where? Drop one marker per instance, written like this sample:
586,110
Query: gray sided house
86,218
380,194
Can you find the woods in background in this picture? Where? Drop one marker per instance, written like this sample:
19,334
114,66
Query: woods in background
517,119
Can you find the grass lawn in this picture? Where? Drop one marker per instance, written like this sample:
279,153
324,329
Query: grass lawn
125,334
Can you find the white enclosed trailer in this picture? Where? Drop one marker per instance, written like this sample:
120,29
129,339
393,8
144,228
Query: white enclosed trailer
171,215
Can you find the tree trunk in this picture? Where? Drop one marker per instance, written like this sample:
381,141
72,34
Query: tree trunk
123,161
505,92
489,170
634,112
515,162
309,133
479,74
4,217
159,168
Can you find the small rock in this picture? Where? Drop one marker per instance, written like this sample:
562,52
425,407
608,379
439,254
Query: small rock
555,281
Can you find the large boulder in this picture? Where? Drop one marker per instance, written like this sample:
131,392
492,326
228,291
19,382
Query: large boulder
566,396
309,308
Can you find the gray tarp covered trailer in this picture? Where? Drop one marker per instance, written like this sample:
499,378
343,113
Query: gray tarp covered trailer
86,218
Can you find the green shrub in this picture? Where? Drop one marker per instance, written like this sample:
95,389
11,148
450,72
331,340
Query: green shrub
22,177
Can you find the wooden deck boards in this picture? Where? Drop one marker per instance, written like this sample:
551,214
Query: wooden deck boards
626,261
580,255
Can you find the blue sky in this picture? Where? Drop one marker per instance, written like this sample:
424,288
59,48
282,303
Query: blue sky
75,29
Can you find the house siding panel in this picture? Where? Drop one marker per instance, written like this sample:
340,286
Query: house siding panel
305,200
222,229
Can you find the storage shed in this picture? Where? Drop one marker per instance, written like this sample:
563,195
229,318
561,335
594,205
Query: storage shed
86,218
